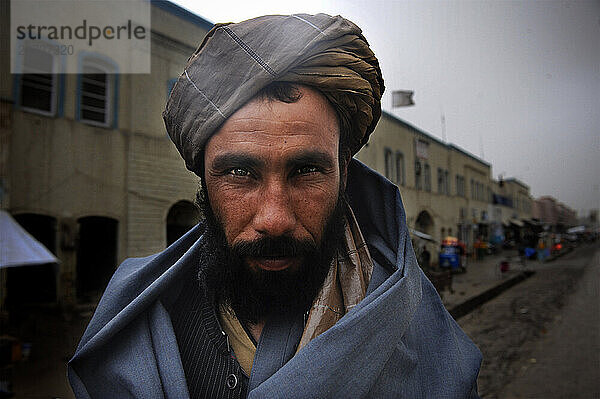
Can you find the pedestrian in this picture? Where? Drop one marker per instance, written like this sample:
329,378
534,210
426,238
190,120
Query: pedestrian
425,258
301,281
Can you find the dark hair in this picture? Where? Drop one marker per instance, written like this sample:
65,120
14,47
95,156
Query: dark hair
290,93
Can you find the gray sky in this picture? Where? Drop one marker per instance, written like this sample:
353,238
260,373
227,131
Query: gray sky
517,81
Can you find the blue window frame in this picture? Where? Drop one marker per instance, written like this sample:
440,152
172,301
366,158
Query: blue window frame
97,91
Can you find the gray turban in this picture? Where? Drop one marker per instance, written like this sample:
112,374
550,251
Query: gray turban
235,61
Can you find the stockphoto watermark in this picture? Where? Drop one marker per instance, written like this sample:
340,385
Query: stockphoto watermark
62,36
86,32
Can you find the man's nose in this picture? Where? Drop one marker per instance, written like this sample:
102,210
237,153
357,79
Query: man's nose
275,214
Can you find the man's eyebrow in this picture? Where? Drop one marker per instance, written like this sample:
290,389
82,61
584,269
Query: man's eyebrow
230,160
315,157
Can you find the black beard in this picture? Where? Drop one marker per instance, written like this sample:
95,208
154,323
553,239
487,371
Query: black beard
255,294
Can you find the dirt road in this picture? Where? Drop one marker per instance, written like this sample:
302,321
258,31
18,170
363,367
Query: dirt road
540,338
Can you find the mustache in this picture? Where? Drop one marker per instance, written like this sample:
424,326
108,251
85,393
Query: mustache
274,247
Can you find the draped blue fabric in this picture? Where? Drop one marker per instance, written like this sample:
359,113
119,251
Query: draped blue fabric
399,342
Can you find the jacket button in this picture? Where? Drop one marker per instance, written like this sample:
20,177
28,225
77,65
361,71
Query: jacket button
231,381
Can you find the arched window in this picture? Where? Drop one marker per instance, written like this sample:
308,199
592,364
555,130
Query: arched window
181,218
96,255
97,91
37,86
424,223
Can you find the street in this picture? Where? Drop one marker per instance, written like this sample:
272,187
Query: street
540,339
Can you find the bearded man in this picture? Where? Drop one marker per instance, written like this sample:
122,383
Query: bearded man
301,281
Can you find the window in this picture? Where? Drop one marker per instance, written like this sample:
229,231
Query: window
37,87
95,96
418,182
400,168
389,164
443,183
440,180
460,186
427,177
457,184
97,91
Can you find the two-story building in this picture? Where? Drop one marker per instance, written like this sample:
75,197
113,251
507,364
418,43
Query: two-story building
445,190
87,167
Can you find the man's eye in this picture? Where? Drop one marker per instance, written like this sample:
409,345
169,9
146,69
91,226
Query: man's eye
304,170
239,172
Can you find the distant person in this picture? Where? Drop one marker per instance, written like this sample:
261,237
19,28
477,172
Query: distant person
425,258
462,251
301,281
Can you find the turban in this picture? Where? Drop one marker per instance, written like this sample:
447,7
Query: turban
235,61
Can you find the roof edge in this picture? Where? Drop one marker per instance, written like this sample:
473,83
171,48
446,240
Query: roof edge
182,13
517,181
430,137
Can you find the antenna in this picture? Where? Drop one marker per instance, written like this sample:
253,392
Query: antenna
443,126
481,154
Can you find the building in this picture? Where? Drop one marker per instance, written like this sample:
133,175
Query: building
87,167
512,207
554,214
445,190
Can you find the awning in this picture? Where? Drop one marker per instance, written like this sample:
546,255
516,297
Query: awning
18,247
577,229
532,222
424,236
517,222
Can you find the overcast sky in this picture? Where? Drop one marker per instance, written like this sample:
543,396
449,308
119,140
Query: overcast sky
518,82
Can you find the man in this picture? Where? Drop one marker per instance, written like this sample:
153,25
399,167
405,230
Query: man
425,258
301,281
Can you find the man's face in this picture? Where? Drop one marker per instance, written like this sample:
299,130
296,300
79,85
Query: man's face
272,170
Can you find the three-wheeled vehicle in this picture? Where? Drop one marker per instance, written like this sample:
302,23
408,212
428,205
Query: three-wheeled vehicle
450,254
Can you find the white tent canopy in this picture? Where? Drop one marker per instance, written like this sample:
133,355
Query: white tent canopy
18,247
577,229
422,235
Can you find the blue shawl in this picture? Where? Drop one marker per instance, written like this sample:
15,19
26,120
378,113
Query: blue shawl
399,342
